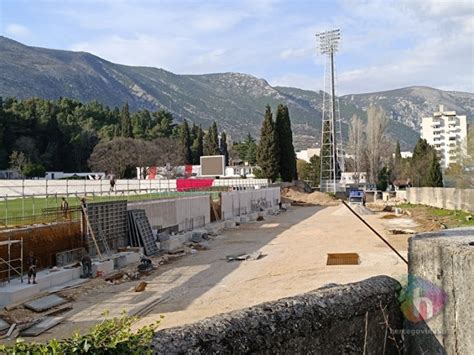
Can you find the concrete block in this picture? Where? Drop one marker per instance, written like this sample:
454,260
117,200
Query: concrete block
175,242
132,257
215,227
244,219
253,216
102,267
15,292
230,223
442,264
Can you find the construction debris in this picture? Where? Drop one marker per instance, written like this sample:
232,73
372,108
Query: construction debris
10,331
402,231
140,232
140,287
260,218
42,326
242,257
44,303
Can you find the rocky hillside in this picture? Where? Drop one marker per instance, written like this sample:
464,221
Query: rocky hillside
236,101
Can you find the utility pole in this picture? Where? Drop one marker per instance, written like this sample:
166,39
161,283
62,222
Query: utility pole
332,156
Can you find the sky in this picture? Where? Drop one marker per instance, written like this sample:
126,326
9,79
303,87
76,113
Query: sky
385,44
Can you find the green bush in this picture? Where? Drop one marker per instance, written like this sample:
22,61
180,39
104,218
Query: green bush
111,336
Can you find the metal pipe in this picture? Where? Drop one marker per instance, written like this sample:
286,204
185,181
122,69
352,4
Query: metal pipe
376,233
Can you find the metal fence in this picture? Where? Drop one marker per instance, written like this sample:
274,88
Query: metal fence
39,201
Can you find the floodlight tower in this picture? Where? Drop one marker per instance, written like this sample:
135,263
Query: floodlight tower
332,156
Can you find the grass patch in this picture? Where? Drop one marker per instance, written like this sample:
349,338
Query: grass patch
451,218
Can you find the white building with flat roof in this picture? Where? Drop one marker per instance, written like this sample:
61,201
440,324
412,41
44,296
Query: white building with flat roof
446,132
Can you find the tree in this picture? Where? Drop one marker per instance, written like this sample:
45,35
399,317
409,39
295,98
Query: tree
287,156
18,161
357,143
383,178
185,140
198,146
435,176
34,170
376,126
397,162
425,167
267,151
211,141
223,148
126,123
118,155
310,172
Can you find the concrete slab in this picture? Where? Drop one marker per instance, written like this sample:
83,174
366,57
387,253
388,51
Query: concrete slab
441,265
253,216
17,293
42,326
175,242
3,325
44,303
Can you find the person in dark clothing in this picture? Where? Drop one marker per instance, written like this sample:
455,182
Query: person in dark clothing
112,182
31,262
86,266
64,207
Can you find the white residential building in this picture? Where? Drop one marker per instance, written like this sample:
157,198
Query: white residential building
447,132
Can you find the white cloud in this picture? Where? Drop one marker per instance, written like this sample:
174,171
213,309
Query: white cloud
17,30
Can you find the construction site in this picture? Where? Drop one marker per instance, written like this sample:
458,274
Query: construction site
182,259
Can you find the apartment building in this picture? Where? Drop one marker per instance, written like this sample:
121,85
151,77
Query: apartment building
447,132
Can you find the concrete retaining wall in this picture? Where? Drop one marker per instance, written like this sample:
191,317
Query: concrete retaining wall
442,197
18,188
186,213
344,319
238,203
441,265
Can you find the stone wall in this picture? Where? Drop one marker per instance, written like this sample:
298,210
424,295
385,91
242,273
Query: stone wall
441,265
442,197
347,319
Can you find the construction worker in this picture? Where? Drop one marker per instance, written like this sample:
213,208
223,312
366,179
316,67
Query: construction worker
32,262
86,266
64,207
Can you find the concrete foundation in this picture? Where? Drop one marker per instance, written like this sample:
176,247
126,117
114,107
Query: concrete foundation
230,223
445,259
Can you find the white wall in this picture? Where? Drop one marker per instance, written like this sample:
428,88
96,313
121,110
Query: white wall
237,203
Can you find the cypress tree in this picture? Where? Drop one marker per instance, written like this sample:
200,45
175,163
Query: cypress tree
125,122
267,151
287,156
435,176
223,148
211,145
198,146
185,140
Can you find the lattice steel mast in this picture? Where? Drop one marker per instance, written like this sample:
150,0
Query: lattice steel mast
332,157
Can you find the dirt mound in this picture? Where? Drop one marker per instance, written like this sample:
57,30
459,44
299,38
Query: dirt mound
317,198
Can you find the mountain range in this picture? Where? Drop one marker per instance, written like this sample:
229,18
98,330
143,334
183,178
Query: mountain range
235,101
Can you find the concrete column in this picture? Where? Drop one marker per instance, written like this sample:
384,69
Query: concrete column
442,267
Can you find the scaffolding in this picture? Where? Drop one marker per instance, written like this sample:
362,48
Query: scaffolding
9,261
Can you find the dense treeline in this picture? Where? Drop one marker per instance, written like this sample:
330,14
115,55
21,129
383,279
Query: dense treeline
38,135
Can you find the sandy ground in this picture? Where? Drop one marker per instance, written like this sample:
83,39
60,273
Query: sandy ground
294,245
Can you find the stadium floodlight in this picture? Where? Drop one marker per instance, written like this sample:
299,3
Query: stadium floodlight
332,157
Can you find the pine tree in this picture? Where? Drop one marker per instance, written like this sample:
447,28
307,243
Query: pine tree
211,141
267,151
287,156
185,140
125,121
223,148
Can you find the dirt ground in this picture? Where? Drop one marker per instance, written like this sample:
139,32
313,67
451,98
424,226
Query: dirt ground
294,247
